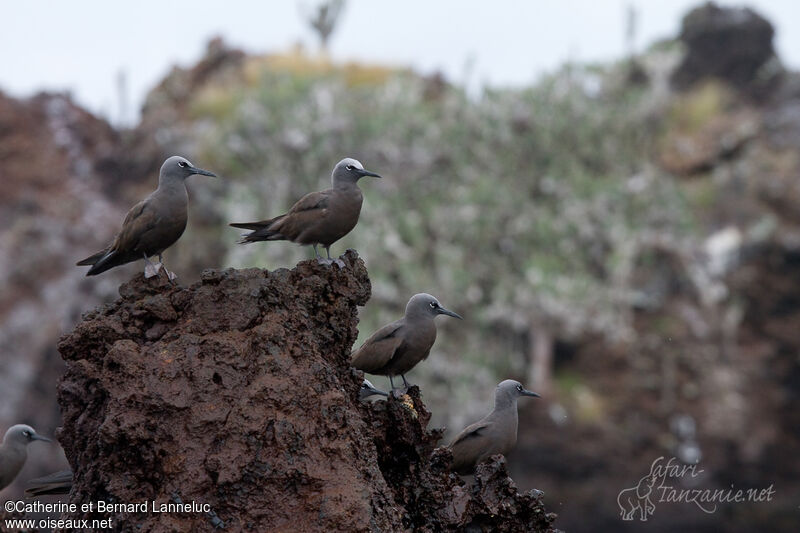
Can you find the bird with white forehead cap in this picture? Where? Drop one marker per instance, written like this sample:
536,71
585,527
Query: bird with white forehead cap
152,225
14,451
321,217
495,433
396,348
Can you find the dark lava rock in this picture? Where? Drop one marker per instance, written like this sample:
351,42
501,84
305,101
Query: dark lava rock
732,44
237,392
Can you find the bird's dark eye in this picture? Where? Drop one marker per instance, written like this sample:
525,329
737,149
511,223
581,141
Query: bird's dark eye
350,167
26,434
434,305
519,388
183,164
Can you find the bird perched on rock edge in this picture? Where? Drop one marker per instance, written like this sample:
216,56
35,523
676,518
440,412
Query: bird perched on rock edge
396,348
495,433
152,225
321,217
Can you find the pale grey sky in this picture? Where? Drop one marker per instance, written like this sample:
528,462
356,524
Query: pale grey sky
81,46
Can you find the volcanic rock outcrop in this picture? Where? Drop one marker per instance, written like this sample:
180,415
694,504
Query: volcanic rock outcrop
732,44
237,392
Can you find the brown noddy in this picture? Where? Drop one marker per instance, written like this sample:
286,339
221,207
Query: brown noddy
368,392
396,348
495,433
56,483
152,225
321,217
14,451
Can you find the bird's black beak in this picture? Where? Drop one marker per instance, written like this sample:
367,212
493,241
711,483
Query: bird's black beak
36,436
526,392
202,172
363,173
367,391
443,311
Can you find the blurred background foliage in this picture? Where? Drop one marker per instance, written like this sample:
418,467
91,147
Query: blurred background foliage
520,208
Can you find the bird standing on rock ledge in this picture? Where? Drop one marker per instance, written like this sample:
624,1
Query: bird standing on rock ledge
495,433
396,348
14,451
152,225
321,217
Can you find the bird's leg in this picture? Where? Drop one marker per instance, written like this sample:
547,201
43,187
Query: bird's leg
332,260
171,276
405,383
321,259
150,269
397,393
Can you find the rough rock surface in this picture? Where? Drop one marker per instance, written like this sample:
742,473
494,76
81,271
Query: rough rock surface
732,44
237,392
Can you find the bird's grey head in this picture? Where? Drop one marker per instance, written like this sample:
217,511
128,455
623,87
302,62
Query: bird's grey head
22,435
177,168
349,171
369,392
509,390
425,305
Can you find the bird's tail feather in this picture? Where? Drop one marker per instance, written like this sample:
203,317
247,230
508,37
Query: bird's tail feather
58,483
92,259
107,261
261,231
251,225
260,235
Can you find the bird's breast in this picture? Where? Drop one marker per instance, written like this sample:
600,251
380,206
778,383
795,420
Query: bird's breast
341,216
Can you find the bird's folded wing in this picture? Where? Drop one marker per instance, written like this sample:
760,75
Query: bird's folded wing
139,220
379,348
469,432
312,200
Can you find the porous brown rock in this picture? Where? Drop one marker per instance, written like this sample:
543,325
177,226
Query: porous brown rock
237,392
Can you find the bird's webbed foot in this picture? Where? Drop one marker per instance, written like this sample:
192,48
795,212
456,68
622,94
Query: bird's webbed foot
151,269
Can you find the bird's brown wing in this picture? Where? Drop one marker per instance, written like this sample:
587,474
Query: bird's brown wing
311,201
468,447
379,348
136,222
308,212
470,432
139,220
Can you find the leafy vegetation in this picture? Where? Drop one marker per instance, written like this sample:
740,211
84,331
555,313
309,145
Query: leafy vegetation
518,208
